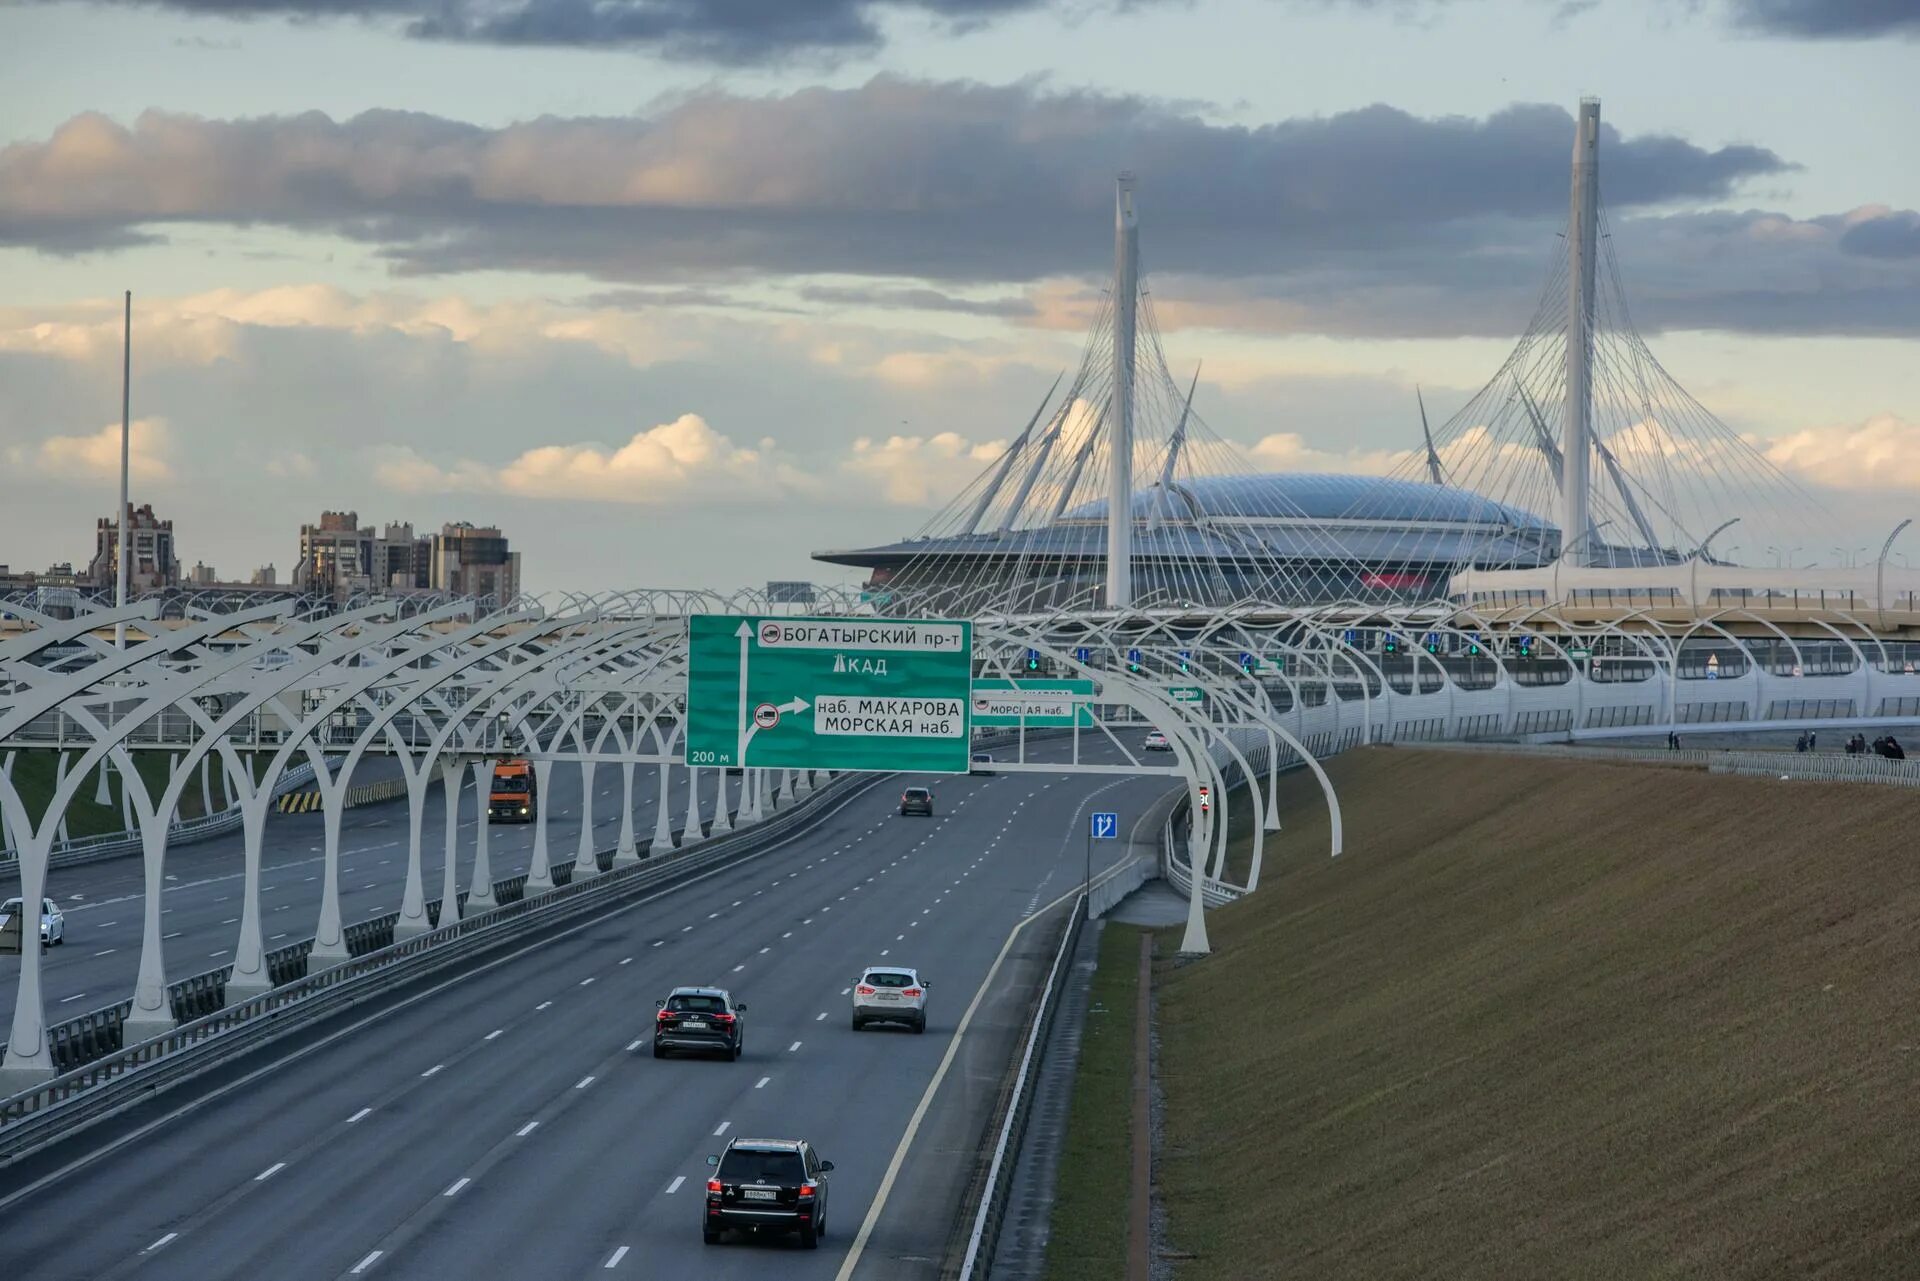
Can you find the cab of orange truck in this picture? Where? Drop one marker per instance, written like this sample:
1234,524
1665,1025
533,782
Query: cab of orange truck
514,798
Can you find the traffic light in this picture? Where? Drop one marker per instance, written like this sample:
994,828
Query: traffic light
1392,644
1033,660
1246,664
1084,654
1185,655
1433,643
1526,645
1473,645
1133,660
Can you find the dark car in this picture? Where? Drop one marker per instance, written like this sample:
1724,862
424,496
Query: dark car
767,1185
706,1019
917,800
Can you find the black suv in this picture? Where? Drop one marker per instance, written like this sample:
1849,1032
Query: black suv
699,1018
767,1185
917,800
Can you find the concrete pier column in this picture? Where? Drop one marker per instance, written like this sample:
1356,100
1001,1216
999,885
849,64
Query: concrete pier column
625,850
539,872
692,835
413,898
452,779
586,862
480,891
249,977
329,941
29,1058
152,1012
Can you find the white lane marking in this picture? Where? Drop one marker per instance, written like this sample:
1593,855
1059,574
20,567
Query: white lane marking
365,1263
618,1255
635,1044
585,982
162,1241
808,921
674,1187
276,936
685,928
886,951
543,1005
711,915
659,942
761,1084
821,1015
736,902
793,1047
269,1172
496,1032
738,968
526,1129
845,991
176,933
76,996
583,1083
221,952
458,1184
787,935
629,960
435,1068
721,1128
765,950
362,1113
879,1202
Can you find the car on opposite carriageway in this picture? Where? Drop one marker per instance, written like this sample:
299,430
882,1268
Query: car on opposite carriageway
53,923
703,1019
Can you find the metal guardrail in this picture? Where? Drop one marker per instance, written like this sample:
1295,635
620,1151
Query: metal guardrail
55,1108
94,849
977,1264
1829,767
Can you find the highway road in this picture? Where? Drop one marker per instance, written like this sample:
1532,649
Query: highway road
514,1124
102,901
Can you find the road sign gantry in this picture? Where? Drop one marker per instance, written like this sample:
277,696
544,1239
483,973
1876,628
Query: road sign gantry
829,693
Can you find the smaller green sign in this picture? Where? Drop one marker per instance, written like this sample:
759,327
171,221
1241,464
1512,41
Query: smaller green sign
1186,693
1040,702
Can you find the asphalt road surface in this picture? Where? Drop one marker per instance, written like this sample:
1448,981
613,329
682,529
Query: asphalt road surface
514,1124
99,961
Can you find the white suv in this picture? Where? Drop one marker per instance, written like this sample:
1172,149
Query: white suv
890,994
53,925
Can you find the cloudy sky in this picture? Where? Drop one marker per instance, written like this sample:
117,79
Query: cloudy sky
677,291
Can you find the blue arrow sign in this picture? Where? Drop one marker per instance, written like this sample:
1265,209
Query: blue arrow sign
1106,826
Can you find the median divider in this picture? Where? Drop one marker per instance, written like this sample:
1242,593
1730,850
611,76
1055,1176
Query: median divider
118,1077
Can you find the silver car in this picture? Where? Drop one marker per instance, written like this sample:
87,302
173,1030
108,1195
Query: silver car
53,926
890,994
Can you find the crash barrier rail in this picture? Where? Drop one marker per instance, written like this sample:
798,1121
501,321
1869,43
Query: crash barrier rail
63,1104
94,849
1830,767
977,1264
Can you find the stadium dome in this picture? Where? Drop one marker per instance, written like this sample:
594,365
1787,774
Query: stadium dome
1302,536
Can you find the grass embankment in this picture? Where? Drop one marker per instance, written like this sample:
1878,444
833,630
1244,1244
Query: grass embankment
1554,1019
1088,1237
34,774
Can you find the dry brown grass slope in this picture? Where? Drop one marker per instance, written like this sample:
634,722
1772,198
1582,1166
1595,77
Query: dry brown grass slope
1552,1019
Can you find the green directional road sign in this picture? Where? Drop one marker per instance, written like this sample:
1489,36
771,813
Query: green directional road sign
1186,693
829,693
1038,703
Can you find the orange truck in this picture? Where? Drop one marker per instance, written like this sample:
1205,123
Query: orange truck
515,797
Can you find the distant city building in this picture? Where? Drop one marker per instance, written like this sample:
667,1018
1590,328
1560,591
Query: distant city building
472,560
265,577
202,575
153,562
790,593
339,557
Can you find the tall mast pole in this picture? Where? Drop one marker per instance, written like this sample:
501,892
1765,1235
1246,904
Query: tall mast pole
126,432
1126,288
1576,448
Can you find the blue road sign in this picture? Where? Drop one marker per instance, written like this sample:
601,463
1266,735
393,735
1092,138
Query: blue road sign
1106,826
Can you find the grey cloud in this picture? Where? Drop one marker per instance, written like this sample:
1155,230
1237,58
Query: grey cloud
1006,307
1889,235
1369,221
1830,19
721,31
945,181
